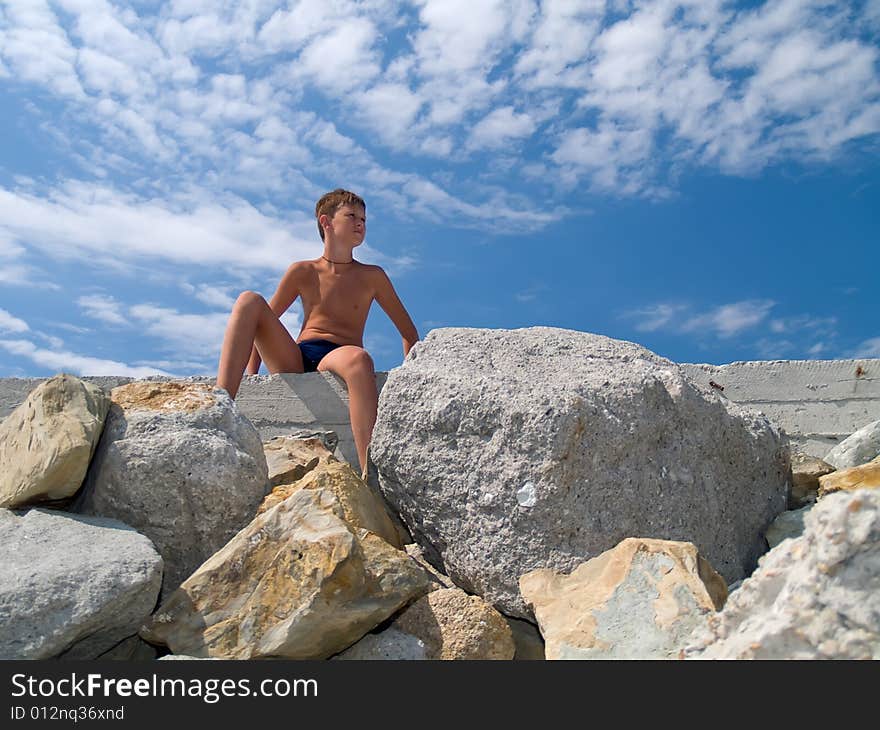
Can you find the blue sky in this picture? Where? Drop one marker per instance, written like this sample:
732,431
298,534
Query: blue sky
701,177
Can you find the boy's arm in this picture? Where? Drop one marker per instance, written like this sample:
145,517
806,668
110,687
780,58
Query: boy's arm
288,290
393,307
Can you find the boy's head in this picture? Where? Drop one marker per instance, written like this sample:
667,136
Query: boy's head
333,201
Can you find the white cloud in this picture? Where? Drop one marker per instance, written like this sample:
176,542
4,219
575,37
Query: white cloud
289,30
655,317
460,35
342,59
559,46
187,335
500,127
613,156
71,362
213,296
868,348
102,307
11,323
730,319
38,49
804,322
390,109
102,226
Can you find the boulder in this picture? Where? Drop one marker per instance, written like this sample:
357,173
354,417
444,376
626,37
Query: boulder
289,458
814,597
866,476
358,505
509,450
389,644
71,586
787,524
46,443
445,624
178,463
640,600
297,583
857,449
805,473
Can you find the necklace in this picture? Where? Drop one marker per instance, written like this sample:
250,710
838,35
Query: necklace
337,262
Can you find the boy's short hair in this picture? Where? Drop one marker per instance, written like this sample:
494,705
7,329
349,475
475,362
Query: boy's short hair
333,201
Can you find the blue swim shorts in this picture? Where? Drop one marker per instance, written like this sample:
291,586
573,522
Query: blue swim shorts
313,352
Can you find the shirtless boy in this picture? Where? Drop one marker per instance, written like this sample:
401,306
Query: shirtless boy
336,292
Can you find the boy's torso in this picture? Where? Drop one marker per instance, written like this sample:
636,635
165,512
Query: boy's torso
336,305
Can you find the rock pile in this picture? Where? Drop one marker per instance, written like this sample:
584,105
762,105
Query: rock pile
532,493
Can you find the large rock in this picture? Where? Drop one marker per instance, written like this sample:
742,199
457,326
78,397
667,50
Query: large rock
289,458
866,476
445,624
857,449
298,583
641,600
46,443
505,451
72,586
360,507
178,463
805,473
813,597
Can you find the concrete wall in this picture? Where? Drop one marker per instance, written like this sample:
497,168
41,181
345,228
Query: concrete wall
817,402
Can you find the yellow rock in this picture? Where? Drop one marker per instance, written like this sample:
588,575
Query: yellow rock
358,505
866,476
455,625
168,397
46,443
639,600
290,459
297,583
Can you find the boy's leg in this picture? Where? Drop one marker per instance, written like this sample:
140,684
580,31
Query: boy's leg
355,366
253,322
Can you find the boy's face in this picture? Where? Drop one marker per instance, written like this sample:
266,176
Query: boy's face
349,224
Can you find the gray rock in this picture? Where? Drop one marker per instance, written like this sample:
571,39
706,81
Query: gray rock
859,448
814,597
390,644
70,586
46,443
181,465
786,525
510,450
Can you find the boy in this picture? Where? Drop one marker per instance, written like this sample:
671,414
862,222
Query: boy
336,292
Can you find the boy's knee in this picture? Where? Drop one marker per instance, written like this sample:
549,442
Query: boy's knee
248,299
362,361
